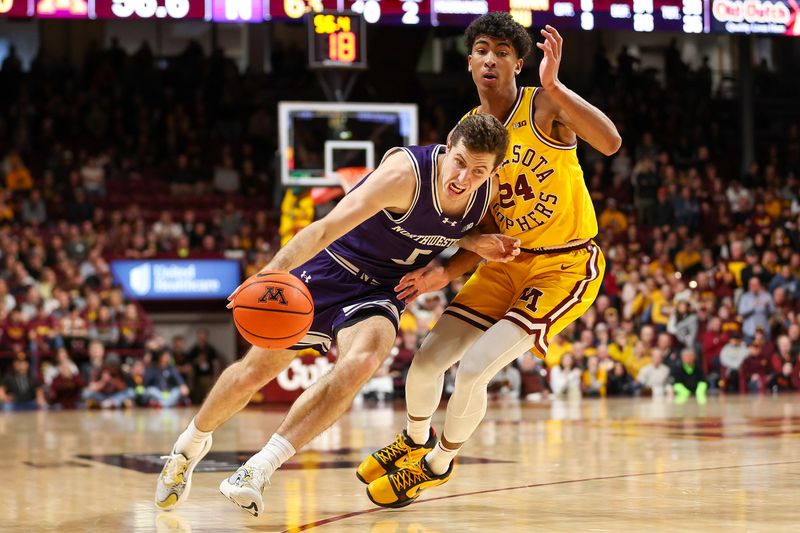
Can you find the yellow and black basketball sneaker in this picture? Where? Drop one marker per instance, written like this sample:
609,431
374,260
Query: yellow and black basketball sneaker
395,455
403,486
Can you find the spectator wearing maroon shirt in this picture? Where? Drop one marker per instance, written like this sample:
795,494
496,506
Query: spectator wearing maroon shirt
783,362
711,343
44,333
15,332
74,329
757,367
67,387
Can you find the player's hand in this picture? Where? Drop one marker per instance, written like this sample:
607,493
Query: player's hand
548,68
420,281
492,246
245,282
233,295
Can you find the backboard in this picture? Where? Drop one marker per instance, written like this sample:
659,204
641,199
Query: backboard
318,138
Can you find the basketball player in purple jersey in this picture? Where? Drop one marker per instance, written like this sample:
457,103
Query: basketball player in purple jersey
419,201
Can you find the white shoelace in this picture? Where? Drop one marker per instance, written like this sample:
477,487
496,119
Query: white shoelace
257,479
175,462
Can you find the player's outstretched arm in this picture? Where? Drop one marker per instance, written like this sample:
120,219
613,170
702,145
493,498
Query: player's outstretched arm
391,186
569,108
431,277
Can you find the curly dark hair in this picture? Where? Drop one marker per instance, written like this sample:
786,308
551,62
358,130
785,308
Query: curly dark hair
500,24
482,133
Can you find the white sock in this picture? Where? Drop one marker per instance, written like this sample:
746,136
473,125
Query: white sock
190,442
418,430
277,451
439,458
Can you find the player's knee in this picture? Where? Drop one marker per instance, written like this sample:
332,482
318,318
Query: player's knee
426,363
251,373
423,370
359,366
243,378
473,372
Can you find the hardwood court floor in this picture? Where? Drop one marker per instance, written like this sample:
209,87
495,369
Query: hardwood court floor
613,465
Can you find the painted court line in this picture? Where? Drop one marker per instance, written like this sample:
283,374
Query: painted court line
337,518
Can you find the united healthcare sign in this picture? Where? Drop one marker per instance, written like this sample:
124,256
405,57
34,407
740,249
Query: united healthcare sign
199,279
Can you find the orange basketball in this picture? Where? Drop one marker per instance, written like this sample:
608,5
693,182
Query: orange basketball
273,310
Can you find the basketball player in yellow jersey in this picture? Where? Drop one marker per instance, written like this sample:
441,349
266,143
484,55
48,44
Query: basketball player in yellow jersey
503,310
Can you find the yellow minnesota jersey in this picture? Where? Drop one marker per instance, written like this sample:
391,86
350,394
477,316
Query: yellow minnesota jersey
543,200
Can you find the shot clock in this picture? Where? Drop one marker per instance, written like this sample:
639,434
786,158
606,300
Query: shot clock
336,40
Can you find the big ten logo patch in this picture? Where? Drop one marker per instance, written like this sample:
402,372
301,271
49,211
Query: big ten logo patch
300,376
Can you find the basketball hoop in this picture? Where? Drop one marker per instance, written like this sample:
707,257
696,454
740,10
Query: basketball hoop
348,177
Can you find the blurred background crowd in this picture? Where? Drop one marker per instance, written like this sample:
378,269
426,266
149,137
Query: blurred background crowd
124,159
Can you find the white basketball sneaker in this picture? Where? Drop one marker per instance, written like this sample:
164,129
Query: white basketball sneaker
245,488
175,480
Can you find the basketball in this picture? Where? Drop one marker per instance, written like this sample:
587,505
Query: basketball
273,310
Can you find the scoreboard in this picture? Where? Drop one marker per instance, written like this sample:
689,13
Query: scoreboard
634,15
780,17
149,9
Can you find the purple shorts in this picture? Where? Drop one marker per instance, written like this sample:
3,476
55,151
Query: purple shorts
341,299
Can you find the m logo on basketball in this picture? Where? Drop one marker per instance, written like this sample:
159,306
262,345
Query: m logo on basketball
273,294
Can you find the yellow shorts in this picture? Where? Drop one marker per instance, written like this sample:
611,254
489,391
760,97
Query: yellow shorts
541,293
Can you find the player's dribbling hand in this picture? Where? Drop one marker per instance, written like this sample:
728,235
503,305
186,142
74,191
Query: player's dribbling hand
495,247
420,281
548,68
233,295
257,275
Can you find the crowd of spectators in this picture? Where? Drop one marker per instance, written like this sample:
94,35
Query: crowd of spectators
138,158
160,375
102,163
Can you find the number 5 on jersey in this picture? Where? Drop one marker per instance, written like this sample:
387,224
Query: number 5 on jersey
412,258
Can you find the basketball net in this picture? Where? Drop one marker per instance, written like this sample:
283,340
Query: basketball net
348,177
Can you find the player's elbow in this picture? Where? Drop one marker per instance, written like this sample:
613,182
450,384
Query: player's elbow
319,233
612,144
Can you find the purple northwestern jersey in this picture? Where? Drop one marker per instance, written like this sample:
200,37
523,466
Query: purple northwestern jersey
389,245
354,277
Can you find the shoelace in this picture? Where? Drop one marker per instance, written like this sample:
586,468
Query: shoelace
394,450
176,466
408,476
252,475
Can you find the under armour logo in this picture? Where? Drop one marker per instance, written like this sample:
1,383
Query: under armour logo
448,221
273,294
305,277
